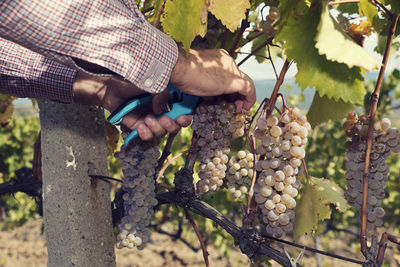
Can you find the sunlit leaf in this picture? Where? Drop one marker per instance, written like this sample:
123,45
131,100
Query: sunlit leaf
230,12
182,20
337,46
297,30
314,205
324,109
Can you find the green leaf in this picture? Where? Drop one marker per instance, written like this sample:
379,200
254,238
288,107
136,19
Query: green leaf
332,42
333,79
182,20
314,205
349,8
394,5
324,109
371,13
230,12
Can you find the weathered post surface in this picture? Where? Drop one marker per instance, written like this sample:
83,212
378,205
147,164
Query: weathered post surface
76,208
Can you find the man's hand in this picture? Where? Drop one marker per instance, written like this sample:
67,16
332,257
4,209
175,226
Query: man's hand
202,72
212,73
111,92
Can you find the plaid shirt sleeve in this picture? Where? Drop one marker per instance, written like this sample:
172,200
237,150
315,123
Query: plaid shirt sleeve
24,73
110,33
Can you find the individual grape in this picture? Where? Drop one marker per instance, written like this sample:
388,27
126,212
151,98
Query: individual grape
273,13
385,124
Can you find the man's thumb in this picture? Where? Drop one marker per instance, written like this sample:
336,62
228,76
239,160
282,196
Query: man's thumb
159,101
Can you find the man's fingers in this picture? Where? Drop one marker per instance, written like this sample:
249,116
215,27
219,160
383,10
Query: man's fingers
159,101
249,92
184,121
144,132
168,124
154,125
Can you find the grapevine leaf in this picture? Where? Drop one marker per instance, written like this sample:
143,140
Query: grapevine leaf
230,12
324,109
182,20
367,9
333,79
336,45
349,8
314,205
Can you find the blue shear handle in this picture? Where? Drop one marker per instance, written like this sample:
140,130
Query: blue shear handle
186,107
178,109
118,116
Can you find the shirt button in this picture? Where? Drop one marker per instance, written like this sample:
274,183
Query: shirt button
148,83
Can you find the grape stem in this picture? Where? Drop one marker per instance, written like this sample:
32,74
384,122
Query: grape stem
169,162
166,151
332,3
272,100
284,106
303,162
253,179
258,48
372,111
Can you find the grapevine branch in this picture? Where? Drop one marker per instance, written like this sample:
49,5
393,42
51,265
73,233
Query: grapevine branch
372,111
258,48
246,241
383,245
313,250
243,26
196,230
271,103
166,150
249,241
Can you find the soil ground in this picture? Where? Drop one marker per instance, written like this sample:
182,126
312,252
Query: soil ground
25,246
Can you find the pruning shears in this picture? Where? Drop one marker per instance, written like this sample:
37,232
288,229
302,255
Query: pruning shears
179,104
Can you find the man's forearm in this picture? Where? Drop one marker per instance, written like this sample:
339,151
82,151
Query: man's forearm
109,33
24,73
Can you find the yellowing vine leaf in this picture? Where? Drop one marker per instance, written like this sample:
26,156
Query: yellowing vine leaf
324,109
230,12
296,30
314,205
367,9
182,20
336,45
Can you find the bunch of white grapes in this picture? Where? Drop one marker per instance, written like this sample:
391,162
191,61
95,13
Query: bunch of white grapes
384,140
240,174
214,125
281,149
139,162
